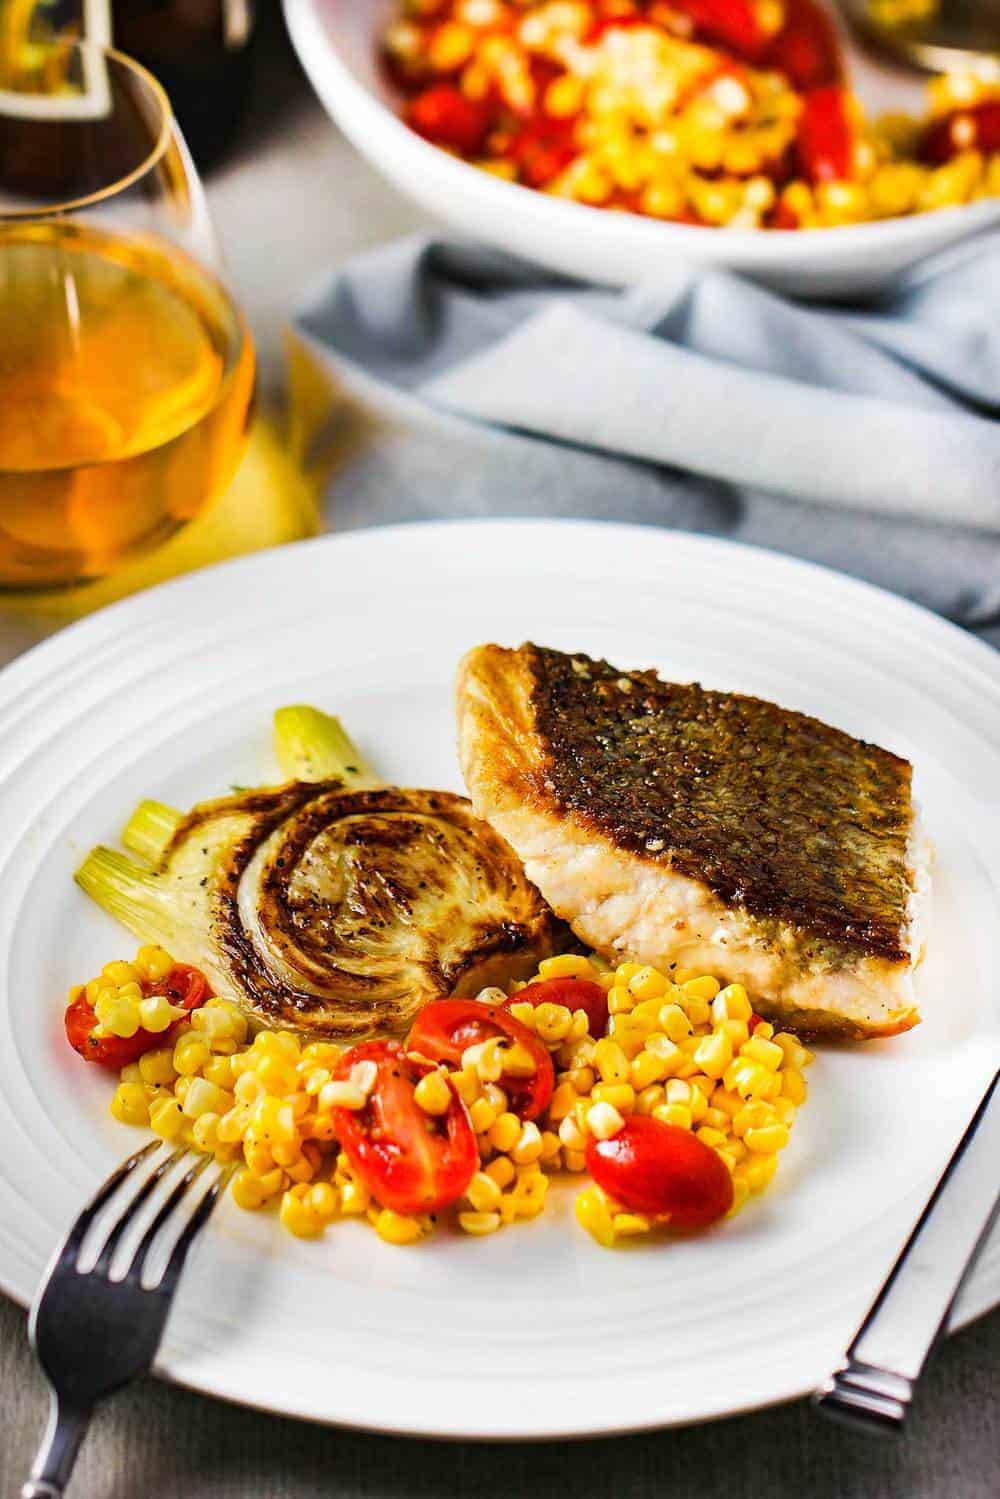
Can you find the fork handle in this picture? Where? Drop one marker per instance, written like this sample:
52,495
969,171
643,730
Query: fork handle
57,1453
874,1386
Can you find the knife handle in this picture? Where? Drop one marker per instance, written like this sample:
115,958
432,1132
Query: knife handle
874,1386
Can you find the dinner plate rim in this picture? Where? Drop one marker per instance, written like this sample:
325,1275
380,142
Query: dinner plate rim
50,656
979,652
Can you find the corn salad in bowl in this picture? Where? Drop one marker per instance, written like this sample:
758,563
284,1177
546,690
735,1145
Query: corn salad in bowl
726,113
670,1092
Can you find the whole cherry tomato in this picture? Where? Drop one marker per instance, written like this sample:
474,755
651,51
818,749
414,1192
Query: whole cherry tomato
409,1160
184,986
444,116
825,137
444,1029
657,1168
575,994
975,129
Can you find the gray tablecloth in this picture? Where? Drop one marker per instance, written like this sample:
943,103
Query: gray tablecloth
299,199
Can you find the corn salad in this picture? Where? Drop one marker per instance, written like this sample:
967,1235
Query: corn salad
677,1048
728,114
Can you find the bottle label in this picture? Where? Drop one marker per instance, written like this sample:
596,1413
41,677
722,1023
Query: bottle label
91,99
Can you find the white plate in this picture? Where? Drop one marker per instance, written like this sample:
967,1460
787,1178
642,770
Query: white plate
337,45
536,1332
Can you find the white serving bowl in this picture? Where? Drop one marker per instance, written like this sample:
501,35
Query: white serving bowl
337,43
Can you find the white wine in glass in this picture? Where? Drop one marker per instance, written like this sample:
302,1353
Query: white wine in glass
126,369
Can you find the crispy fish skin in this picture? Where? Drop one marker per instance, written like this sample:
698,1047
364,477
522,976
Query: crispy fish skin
672,824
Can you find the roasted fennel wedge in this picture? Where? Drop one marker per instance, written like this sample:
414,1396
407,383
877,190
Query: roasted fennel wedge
330,904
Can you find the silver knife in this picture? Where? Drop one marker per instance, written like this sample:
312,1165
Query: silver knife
874,1386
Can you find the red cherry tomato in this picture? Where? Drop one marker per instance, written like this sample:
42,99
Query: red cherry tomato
410,1161
575,994
444,1029
184,986
783,218
806,48
655,1168
734,23
825,137
542,149
443,115
975,129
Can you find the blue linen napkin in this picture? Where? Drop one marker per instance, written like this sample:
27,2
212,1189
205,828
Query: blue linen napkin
469,384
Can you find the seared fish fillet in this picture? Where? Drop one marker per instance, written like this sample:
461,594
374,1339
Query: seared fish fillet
673,825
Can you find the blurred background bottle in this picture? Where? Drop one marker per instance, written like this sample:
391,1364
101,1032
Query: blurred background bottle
200,50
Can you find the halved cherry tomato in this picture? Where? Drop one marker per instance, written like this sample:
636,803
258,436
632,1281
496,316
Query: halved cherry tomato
543,148
734,23
184,986
410,1161
825,137
575,994
444,1029
806,48
655,1168
443,115
975,129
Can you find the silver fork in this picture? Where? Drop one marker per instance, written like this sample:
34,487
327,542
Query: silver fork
92,1334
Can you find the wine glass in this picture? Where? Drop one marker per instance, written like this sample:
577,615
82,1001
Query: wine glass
126,368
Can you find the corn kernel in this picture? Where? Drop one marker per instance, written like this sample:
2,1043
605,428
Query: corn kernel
714,1053
190,1055
768,1139
674,1024
566,966
562,1100
153,963
620,1096
202,1098
709,1136
505,1133
704,987
528,1147
793,1086
649,1099
553,1023
518,1061
767,1053
129,1105
396,1228
483,1193
677,1114
648,983
611,1062
592,1213
501,1170
648,1068
482,1116
432,1093
629,1225
604,1121
165,1118
524,1014
340,1094
479,1224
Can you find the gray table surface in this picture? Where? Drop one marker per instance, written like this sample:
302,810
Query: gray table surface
157,1439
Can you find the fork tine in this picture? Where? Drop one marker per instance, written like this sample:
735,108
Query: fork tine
74,1239
129,1212
200,1216
176,1196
